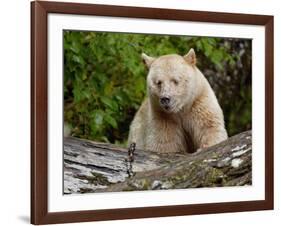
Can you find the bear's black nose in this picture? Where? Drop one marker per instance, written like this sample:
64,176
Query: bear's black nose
165,100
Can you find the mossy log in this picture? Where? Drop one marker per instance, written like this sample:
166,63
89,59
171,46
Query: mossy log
98,167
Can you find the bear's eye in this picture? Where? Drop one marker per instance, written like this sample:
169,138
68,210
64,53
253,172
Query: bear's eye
158,83
175,82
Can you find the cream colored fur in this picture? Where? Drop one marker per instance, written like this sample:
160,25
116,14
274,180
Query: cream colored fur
192,120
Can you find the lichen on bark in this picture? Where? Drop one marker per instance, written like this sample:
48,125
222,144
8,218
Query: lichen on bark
98,167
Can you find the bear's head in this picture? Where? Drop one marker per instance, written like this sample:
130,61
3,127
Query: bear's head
170,80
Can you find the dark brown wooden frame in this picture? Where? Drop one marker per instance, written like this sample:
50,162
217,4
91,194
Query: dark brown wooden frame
39,111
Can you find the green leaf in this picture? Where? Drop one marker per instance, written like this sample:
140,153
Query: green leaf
217,56
78,59
77,94
109,102
111,121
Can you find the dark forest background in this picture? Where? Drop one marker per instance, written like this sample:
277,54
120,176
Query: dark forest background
105,79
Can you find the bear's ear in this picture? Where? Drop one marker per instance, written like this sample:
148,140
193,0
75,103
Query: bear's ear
147,59
190,57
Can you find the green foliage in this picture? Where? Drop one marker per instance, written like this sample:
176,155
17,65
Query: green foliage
105,79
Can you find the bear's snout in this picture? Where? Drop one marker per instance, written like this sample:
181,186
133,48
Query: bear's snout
165,102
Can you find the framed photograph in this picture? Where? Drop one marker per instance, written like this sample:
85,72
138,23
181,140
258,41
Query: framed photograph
147,112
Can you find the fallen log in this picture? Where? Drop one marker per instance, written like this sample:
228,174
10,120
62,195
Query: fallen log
98,167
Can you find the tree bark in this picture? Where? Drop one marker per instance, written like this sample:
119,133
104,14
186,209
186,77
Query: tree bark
98,167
